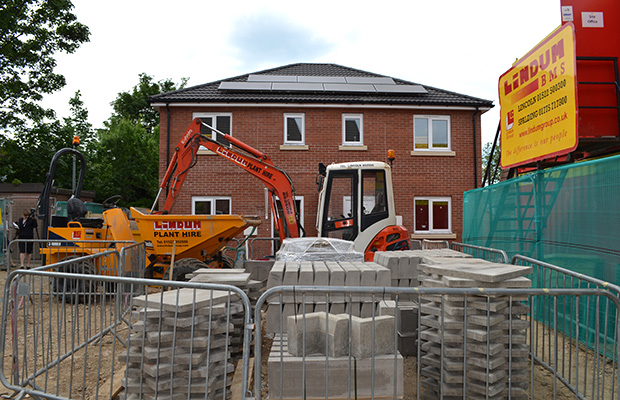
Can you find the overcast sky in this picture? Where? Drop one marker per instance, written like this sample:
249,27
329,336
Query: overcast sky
461,46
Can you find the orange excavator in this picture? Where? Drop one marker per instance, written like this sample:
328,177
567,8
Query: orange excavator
356,200
253,161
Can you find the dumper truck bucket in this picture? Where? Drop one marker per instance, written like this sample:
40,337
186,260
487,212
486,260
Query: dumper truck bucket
191,235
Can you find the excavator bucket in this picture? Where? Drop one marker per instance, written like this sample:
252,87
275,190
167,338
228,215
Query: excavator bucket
190,235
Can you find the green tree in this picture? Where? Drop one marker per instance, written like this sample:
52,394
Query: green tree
25,156
32,32
126,163
134,105
494,166
126,155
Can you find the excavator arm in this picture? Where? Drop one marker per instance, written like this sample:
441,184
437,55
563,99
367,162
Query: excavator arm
251,160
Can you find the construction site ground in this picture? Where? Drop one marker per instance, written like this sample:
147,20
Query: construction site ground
544,382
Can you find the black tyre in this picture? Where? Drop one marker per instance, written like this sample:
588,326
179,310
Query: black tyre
183,267
75,290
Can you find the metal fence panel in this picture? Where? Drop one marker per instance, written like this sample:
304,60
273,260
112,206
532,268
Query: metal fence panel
468,343
59,250
485,253
75,335
597,325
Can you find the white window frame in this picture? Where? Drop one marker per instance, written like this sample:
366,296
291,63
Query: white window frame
214,115
346,117
212,199
431,200
430,119
303,130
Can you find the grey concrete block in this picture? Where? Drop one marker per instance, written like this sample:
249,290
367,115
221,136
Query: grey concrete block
319,327
352,277
336,278
404,269
321,278
387,307
366,309
276,274
275,320
306,276
362,333
407,319
352,308
408,344
259,270
286,378
368,278
291,273
290,278
384,277
337,308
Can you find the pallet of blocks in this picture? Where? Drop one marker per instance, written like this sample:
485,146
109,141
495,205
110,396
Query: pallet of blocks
241,279
323,274
179,346
473,345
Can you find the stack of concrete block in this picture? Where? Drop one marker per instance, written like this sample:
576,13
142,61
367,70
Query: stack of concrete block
296,353
482,352
234,277
324,274
241,279
403,265
406,315
180,345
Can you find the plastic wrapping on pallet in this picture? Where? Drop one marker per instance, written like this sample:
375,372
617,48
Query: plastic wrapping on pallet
318,249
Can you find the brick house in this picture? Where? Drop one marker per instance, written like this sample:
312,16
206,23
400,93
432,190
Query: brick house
303,114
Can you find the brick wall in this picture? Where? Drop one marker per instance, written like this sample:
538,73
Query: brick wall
383,129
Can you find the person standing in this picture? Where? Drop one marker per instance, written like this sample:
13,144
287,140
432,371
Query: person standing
26,225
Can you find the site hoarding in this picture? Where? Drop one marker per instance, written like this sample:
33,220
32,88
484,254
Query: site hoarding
538,102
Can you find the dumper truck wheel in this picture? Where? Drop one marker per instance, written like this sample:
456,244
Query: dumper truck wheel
75,290
183,267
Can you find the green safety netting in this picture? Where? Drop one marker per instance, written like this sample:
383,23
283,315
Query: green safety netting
568,216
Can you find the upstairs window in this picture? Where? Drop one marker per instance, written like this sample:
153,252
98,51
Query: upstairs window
431,133
352,130
294,129
220,121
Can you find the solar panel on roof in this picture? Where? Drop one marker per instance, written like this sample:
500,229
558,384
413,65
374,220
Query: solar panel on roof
370,79
320,86
400,89
296,86
348,87
322,79
272,78
245,86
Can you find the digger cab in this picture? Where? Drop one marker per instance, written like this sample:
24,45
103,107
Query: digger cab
356,203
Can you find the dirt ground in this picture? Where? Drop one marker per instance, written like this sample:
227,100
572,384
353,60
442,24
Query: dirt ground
94,375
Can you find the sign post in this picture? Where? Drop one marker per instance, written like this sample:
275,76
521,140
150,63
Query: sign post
538,102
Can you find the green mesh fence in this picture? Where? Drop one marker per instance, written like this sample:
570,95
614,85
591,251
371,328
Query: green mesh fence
568,216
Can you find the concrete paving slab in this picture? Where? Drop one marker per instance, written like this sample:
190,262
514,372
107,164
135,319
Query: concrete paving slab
484,272
183,300
514,283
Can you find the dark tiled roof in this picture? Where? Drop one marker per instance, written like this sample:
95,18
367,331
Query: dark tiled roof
209,92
